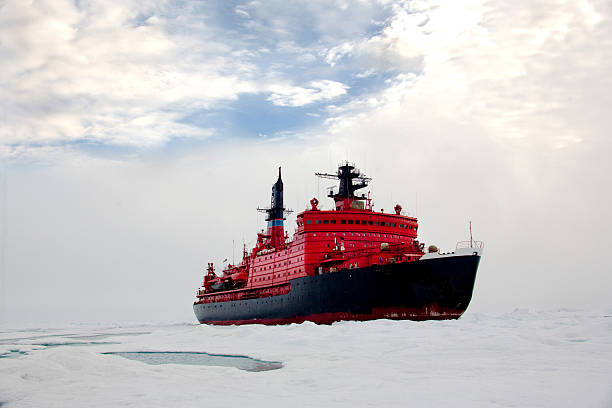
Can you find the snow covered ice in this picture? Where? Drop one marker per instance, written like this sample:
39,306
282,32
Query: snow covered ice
520,359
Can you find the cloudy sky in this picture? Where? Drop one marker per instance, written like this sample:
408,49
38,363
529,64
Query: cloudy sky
136,140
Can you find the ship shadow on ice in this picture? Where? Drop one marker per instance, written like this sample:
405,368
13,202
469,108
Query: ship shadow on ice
245,363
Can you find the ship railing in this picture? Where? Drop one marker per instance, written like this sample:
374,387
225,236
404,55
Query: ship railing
354,253
470,244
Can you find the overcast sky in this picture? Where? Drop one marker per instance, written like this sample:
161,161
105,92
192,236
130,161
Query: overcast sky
136,141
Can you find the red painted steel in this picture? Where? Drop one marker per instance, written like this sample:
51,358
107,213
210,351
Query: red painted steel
351,236
323,240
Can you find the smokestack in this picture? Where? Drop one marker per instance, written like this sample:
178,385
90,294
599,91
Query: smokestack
276,228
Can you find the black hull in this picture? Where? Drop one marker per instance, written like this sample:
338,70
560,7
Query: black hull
436,288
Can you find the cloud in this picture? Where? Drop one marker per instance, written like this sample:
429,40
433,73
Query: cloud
97,73
128,74
317,91
529,74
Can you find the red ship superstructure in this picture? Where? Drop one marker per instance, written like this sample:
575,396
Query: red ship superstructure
350,263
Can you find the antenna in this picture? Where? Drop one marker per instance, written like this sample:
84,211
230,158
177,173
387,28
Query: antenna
471,241
346,174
